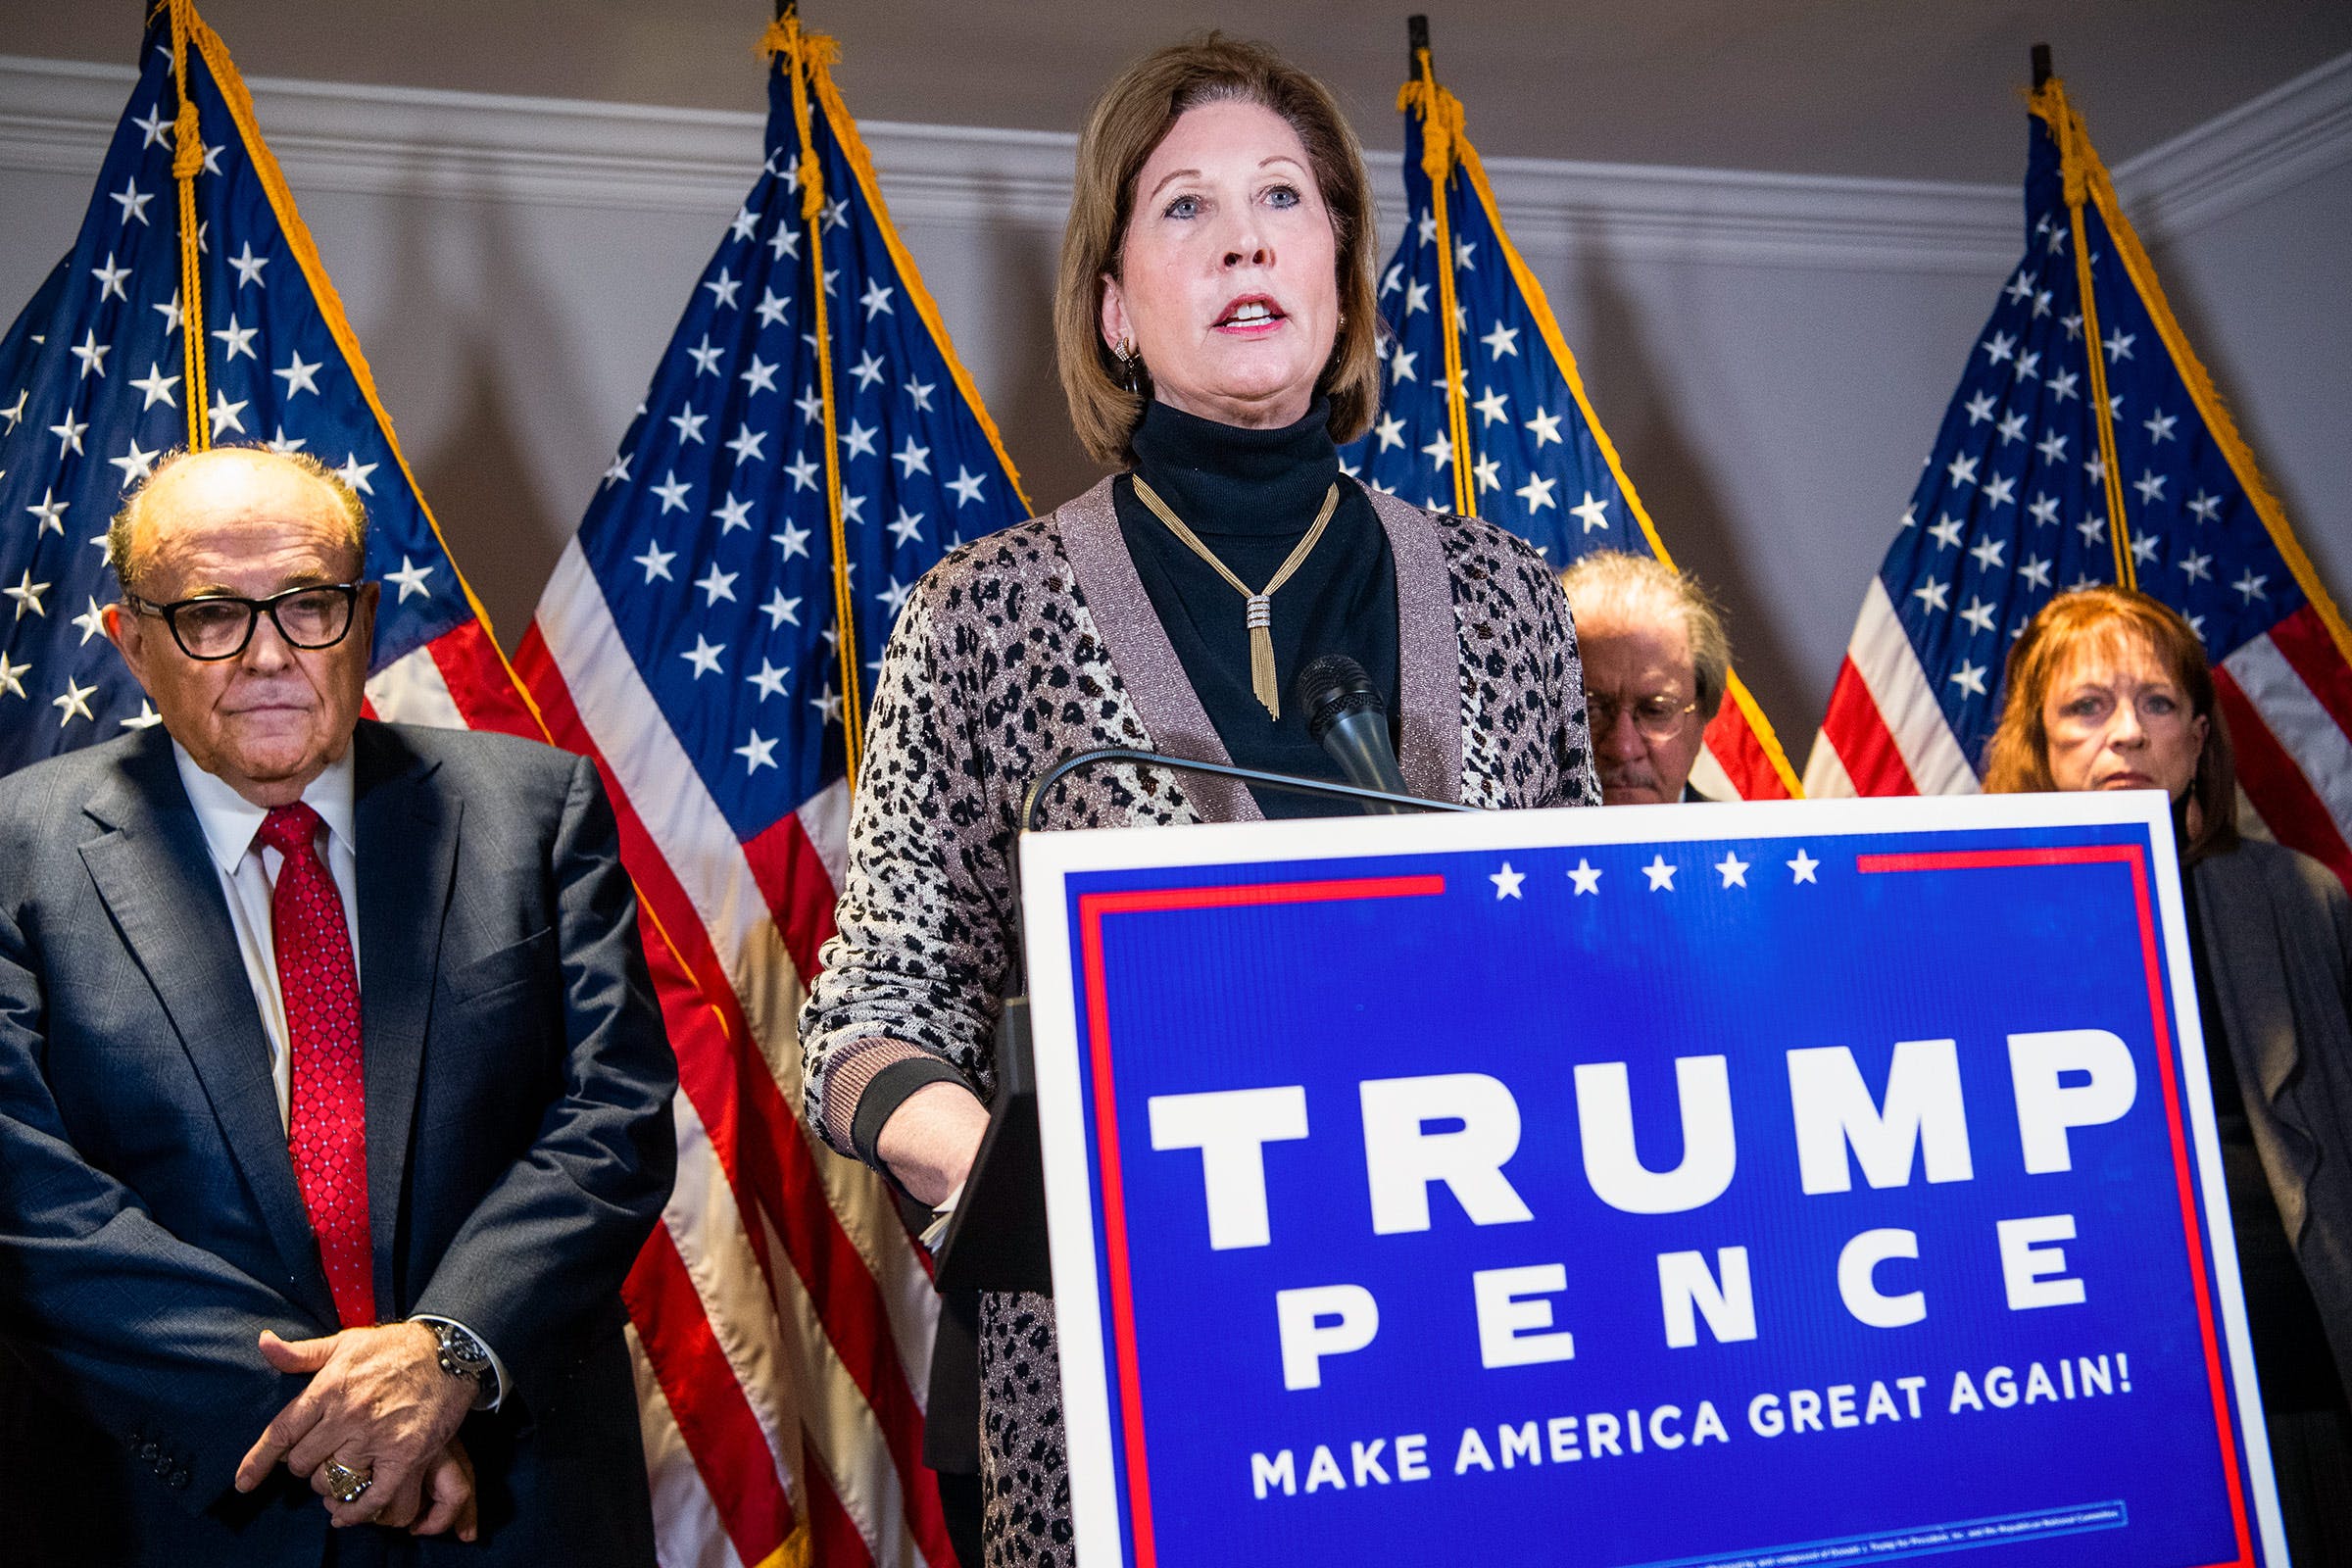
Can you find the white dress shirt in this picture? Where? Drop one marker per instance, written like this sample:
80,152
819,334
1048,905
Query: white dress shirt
247,870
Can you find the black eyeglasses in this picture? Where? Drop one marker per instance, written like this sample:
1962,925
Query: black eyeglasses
219,625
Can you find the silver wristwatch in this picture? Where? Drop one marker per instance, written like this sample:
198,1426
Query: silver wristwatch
464,1356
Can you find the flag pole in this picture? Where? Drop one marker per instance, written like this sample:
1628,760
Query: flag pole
1423,91
802,51
2050,102
187,161
1441,125
2099,190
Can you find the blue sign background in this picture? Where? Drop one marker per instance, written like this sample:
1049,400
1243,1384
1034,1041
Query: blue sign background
1524,988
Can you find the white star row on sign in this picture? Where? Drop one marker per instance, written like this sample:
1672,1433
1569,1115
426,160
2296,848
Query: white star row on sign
1660,872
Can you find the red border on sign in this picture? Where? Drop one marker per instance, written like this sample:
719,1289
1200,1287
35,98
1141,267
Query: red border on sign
1092,908
2135,856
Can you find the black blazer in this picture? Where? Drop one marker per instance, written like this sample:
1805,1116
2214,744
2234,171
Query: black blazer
519,1146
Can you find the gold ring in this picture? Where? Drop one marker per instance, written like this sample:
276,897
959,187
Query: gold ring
344,1484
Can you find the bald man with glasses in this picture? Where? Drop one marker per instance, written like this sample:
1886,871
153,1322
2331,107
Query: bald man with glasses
334,1102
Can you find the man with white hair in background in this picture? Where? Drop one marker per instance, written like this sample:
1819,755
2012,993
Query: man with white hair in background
1655,662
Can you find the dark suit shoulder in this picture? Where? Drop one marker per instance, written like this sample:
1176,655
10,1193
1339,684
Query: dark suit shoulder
474,752
474,765
41,807
71,776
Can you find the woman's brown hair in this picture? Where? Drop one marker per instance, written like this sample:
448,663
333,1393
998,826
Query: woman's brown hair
1131,118
2018,759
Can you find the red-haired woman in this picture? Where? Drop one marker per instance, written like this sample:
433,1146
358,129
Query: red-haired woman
2109,689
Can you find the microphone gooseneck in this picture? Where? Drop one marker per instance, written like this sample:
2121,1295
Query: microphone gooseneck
1347,718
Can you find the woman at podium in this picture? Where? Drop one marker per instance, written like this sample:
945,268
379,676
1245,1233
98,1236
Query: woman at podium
1217,334
2109,689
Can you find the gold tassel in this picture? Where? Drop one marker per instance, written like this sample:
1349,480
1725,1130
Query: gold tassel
1262,655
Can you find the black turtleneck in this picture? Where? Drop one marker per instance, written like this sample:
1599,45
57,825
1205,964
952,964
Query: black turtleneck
1250,495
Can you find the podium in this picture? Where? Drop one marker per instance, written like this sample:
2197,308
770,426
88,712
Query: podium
1774,1184
997,1238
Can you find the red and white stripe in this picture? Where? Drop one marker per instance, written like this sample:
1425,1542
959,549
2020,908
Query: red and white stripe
2287,698
1733,763
456,681
1885,733
782,1317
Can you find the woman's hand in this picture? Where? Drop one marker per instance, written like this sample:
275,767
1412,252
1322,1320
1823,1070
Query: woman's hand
930,1141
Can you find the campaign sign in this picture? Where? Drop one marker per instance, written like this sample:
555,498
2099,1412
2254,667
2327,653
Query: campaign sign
1743,1185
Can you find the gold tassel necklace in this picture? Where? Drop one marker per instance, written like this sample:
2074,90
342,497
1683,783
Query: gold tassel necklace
1258,611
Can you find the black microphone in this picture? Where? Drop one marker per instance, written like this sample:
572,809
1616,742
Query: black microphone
1347,718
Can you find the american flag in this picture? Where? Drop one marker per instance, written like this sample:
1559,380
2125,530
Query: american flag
2029,493
1496,421
692,640
96,386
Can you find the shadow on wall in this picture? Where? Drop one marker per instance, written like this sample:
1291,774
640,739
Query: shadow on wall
1028,405
2213,346
475,473
1640,412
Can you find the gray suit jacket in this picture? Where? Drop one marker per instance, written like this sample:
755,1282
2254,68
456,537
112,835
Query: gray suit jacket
519,1146
2278,943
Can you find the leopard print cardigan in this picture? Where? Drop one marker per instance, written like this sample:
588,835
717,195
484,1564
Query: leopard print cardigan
1038,641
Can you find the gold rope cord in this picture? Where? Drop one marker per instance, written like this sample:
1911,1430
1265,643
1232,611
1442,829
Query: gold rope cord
1440,128
2069,133
807,54
187,161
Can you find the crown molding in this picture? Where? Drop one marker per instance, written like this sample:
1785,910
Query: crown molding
2265,146
56,116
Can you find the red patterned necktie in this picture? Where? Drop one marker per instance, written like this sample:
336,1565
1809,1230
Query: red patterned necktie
327,1127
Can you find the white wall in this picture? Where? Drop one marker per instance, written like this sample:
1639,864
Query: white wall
1772,354
2266,296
